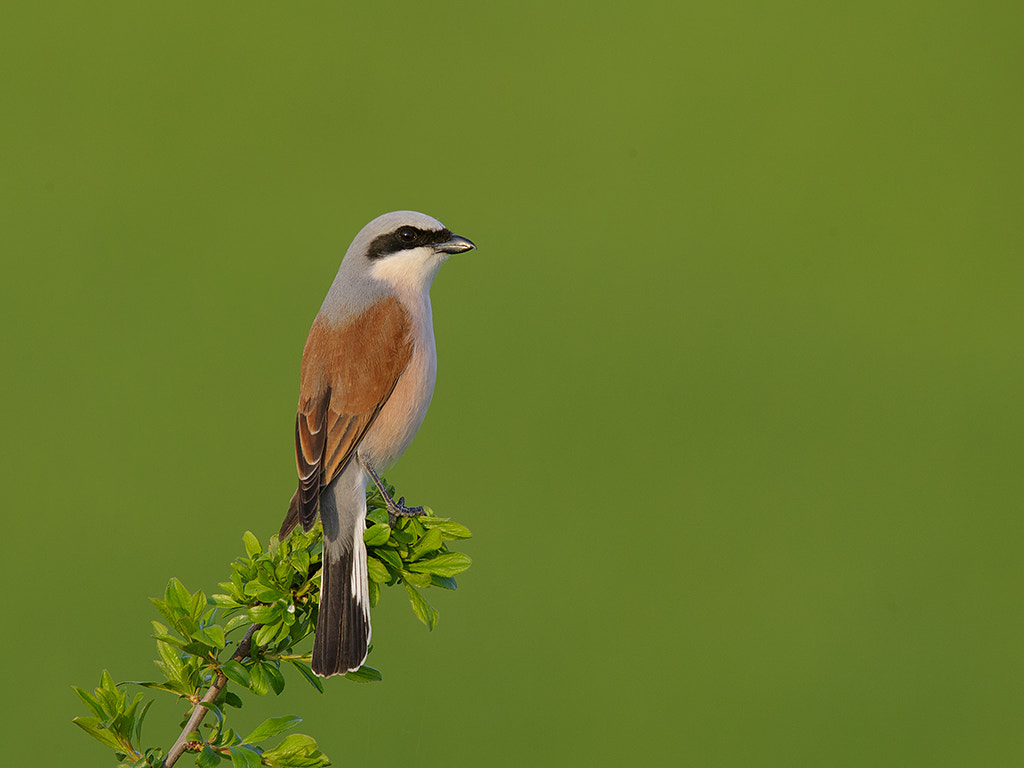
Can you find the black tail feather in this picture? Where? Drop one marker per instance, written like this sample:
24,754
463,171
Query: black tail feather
343,626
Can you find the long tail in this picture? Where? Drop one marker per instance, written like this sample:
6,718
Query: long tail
343,627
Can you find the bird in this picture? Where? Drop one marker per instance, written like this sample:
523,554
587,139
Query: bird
368,371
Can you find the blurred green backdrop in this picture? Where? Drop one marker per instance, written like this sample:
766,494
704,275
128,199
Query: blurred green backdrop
730,394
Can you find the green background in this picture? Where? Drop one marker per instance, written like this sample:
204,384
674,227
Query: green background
730,394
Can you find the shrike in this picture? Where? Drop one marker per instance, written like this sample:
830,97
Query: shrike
368,373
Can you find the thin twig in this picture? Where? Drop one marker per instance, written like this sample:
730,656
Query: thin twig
199,712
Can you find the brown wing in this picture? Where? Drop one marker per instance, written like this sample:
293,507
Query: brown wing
348,373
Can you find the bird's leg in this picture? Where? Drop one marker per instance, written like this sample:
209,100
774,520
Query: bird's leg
396,509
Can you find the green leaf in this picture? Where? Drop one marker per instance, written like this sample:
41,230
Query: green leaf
445,582
421,580
94,727
244,757
275,677
402,533
168,612
300,562
264,592
258,683
265,614
298,749
171,641
90,701
226,739
365,674
447,528
376,570
283,629
237,673
378,515
232,588
424,611
178,597
376,535
107,682
196,648
236,621
283,572
139,721
199,603
252,545
429,543
212,635
207,758
173,664
307,673
390,557
171,687
445,564
265,634
271,727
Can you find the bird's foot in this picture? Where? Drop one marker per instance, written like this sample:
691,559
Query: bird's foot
397,509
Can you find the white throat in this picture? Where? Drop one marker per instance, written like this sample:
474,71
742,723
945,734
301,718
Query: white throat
409,273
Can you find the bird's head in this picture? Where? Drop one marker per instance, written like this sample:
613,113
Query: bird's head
405,249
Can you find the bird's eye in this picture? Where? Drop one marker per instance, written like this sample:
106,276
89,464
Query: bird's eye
407,234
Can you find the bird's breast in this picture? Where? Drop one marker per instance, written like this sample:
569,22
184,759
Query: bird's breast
403,413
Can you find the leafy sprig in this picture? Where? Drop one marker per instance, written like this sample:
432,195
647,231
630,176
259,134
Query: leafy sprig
272,599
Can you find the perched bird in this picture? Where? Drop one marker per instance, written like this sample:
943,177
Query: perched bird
368,371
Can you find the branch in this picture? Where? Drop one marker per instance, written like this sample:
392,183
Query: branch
199,712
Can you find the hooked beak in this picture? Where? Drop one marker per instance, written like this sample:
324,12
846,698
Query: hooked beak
455,244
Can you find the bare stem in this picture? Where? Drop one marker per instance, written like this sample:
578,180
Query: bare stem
199,712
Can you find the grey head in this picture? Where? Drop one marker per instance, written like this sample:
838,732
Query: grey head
405,236
400,253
